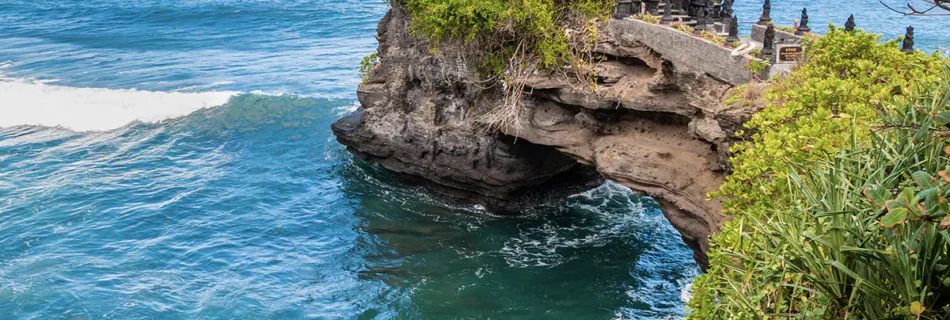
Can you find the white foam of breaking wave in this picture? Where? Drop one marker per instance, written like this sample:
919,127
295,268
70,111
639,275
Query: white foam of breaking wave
202,87
686,293
25,102
347,109
543,246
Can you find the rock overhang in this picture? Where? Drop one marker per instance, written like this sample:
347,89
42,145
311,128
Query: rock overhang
655,123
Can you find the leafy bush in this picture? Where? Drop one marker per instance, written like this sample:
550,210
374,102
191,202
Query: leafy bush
865,232
508,40
827,105
846,75
504,29
755,52
367,64
756,66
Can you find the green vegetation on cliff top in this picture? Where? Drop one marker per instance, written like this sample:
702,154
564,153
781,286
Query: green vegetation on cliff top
811,237
509,32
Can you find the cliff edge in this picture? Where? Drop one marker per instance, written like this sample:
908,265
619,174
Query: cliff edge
655,122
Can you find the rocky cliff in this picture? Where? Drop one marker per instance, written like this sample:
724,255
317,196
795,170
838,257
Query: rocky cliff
656,124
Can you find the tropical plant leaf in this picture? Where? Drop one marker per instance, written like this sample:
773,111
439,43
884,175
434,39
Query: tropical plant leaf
895,204
940,208
923,179
877,196
943,118
894,217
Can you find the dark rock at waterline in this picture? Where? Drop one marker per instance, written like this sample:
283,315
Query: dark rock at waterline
498,172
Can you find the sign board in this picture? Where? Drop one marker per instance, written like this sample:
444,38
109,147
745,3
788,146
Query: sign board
789,53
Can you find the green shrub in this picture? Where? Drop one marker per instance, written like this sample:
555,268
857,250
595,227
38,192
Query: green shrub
366,65
827,105
505,29
756,66
846,75
755,52
864,234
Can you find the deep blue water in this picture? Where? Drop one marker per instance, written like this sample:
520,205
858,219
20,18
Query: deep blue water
123,197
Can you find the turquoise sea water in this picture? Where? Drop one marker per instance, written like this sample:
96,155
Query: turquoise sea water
173,160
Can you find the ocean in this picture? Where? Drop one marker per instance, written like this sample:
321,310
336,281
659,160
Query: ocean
172,159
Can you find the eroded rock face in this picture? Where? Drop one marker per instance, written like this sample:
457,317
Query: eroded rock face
651,126
413,121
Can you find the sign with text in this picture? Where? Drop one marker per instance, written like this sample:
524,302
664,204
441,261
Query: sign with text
789,53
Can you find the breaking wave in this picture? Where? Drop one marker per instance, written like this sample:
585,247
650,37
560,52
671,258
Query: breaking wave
39,103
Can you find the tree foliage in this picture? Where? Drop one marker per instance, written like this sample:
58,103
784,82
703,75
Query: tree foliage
831,103
809,115
367,65
506,31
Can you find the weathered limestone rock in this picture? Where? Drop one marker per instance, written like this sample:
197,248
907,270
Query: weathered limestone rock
655,124
414,121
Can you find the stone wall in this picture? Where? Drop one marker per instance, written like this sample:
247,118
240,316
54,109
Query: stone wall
758,34
685,51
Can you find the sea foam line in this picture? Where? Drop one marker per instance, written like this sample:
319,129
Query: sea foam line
25,102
